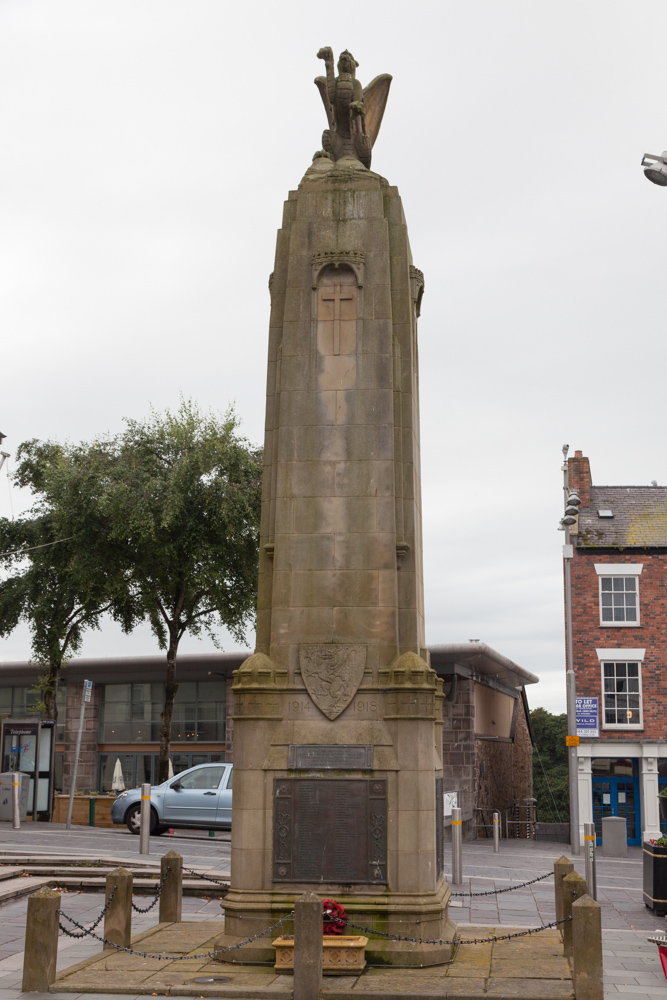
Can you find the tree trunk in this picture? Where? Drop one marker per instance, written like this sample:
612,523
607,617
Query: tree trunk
48,685
171,687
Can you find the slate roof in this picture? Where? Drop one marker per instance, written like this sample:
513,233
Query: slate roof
639,521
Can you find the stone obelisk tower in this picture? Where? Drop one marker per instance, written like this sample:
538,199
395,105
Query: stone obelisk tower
338,715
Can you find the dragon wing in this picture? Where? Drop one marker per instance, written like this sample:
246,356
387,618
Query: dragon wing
375,100
321,84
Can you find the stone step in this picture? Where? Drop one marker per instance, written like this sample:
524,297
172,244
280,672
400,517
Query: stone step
14,888
10,871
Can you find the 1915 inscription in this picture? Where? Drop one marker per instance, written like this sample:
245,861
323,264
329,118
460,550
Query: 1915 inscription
337,757
330,830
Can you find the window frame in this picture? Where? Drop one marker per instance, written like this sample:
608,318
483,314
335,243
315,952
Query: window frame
618,569
622,726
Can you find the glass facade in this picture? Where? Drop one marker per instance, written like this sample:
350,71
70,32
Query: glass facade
130,713
140,767
22,703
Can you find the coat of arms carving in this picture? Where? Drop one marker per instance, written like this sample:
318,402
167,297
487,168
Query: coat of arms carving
332,673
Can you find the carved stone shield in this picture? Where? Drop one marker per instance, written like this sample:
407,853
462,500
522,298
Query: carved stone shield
332,673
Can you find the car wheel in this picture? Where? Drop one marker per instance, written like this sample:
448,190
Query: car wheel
133,819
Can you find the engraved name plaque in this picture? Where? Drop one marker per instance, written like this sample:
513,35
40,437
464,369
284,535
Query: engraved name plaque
330,830
337,757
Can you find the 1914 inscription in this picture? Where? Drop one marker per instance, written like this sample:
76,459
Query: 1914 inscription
330,830
337,757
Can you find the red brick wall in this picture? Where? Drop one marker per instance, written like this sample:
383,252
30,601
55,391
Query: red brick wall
579,477
651,634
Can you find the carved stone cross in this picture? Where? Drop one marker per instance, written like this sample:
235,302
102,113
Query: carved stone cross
337,297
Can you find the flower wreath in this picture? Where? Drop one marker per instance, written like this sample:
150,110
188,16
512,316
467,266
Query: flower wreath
334,917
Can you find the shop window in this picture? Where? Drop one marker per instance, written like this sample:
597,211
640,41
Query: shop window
22,702
138,768
613,767
130,713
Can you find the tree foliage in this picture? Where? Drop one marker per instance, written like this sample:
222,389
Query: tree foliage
550,770
165,516
55,588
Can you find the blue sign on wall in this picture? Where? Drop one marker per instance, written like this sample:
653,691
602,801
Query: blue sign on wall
588,717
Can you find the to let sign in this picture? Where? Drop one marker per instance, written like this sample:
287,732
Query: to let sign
588,717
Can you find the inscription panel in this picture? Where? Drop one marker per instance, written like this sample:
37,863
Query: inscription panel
337,757
330,830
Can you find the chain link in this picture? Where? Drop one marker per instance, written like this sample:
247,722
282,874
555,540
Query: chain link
510,888
87,930
459,941
145,909
206,878
169,958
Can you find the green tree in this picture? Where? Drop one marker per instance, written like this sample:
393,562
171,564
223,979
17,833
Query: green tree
52,586
550,771
168,513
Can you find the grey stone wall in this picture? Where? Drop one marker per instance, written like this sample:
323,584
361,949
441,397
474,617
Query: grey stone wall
86,780
458,750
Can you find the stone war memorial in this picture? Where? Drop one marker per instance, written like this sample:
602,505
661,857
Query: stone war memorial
338,714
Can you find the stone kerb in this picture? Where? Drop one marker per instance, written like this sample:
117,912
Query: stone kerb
41,941
562,867
587,949
118,918
574,887
307,947
171,899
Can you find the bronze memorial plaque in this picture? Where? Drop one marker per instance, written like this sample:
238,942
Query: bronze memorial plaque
330,830
337,757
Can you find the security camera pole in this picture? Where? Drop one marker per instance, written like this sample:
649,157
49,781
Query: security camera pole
571,504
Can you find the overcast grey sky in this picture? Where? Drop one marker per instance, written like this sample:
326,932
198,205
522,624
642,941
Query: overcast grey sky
148,146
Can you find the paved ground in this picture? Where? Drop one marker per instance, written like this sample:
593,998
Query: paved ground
631,964
52,838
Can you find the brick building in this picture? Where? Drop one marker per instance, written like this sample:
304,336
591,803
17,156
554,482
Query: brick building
619,631
487,748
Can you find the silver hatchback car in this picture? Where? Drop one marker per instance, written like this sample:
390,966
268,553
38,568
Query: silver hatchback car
198,797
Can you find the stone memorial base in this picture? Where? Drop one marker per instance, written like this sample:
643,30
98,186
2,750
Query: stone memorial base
409,915
526,968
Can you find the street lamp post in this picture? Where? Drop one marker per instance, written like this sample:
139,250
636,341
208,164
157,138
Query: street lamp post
572,502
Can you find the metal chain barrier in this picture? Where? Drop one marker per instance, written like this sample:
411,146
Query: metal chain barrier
168,958
511,888
459,941
145,909
87,930
206,878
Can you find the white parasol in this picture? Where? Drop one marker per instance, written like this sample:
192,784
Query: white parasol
170,772
118,782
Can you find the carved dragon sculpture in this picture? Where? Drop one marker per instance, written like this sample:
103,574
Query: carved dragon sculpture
354,115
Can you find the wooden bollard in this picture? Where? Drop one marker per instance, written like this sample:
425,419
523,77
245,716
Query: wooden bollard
574,887
171,899
562,867
41,941
118,918
307,947
587,949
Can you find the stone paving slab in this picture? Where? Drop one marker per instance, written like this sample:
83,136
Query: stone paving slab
527,968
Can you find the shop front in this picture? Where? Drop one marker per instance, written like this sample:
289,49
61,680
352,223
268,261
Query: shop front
625,786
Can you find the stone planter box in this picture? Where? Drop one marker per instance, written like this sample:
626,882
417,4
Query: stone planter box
81,809
655,878
341,956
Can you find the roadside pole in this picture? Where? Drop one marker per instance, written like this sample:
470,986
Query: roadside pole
86,693
591,875
16,800
496,831
145,828
457,866
572,738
